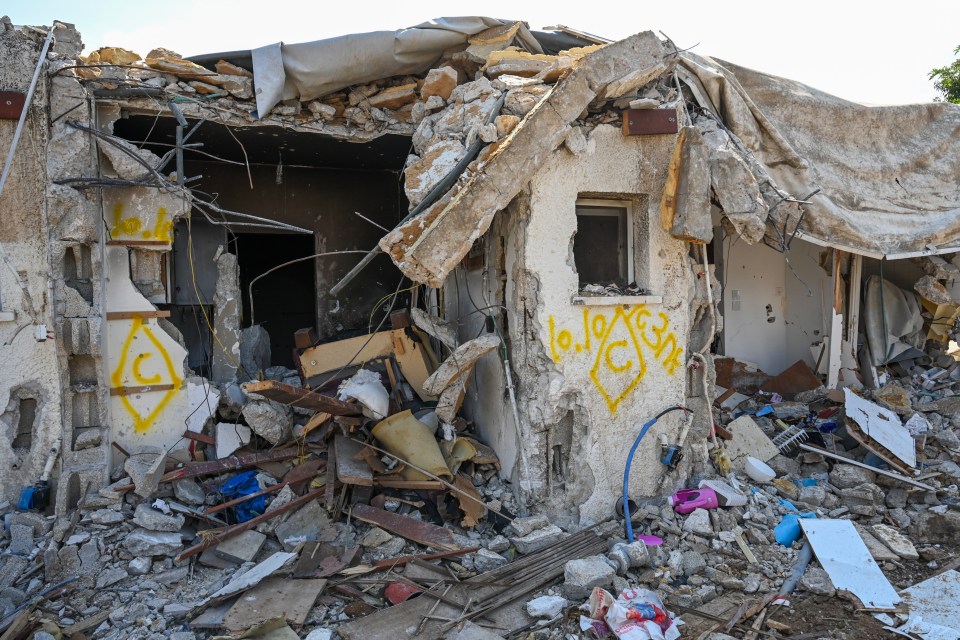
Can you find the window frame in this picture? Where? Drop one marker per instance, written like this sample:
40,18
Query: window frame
611,203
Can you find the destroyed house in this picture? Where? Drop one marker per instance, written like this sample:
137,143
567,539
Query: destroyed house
535,241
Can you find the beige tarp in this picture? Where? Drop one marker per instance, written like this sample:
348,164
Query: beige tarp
313,69
890,176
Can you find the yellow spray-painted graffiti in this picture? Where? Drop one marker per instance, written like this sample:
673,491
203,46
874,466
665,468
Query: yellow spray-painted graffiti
136,356
619,342
127,228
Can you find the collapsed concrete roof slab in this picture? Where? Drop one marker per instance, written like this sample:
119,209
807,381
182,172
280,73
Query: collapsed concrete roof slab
429,246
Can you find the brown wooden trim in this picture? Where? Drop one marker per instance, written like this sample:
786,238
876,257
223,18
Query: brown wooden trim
199,437
129,391
139,243
130,315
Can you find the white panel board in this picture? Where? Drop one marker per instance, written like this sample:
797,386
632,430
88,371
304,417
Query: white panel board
882,425
845,557
934,607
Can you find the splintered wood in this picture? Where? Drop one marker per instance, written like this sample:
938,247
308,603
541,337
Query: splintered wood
498,595
416,530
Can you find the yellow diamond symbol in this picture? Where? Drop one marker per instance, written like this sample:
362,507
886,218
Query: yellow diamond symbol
141,347
619,365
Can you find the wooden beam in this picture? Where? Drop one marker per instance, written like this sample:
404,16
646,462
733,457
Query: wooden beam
303,398
139,243
130,315
150,388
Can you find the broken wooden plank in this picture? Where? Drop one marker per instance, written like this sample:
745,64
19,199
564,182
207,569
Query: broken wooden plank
416,530
213,537
274,598
323,559
412,485
503,605
233,463
302,398
350,470
400,561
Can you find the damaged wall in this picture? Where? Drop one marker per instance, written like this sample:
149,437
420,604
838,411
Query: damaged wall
323,200
589,376
30,385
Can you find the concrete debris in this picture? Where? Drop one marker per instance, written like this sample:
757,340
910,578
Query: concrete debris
581,576
268,419
330,495
154,520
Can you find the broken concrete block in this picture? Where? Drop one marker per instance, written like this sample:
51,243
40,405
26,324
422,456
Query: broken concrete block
582,575
526,526
486,560
128,161
436,161
459,364
254,352
319,634
546,607
41,524
231,437
375,537
269,420
538,539
225,68
439,82
241,548
895,541
321,109
817,581
154,520
395,97
238,86
189,491
685,205
878,551
110,577
88,439
846,476
145,468
303,524
21,539
698,522
505,124
140,566
143,542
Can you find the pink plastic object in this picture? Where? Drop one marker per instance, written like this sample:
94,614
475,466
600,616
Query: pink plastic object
650,541
686,500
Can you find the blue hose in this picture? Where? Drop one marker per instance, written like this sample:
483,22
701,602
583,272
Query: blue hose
626,468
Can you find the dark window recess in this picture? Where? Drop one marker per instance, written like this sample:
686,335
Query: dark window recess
28,415
600,245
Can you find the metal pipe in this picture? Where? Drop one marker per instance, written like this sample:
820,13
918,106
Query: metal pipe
626,468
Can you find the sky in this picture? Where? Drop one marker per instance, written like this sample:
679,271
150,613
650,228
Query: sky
876,52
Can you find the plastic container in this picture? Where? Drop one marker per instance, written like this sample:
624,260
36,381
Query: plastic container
686,500
759,470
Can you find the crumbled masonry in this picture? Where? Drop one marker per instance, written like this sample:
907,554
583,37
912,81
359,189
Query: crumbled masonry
351,339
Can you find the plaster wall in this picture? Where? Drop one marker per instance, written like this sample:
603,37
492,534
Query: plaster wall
472,295
773,314
30,368
590,376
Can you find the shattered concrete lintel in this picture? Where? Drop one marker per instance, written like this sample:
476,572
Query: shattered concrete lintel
461,361
429,246
237,118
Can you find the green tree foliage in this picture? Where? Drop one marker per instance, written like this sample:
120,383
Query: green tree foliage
947,81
